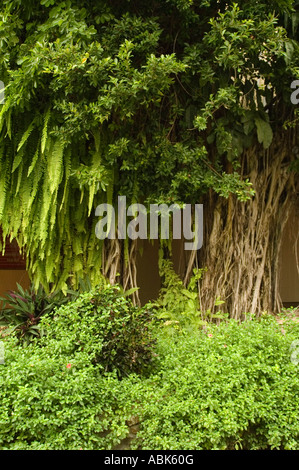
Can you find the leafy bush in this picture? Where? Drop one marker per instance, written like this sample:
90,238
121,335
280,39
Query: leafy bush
51,400
179,307
63,390
105,325
231,387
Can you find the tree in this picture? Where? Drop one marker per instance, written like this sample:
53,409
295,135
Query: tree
167,101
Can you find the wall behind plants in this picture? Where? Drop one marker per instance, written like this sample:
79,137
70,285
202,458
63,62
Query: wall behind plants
289,261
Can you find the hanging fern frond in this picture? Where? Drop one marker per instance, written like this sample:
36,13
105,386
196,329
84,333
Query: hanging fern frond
26,135
55,164
17,160
36,183
67,173
3,186
53,212
97,140
3,110
44,215
92,190
19,179
45,130
2,148
34,160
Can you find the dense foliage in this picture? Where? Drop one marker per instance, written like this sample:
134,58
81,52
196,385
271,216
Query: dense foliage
152,100
107,327
58,401
180,307
22,309
158,101
228,386
232,386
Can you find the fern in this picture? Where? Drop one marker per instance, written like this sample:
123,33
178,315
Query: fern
3,186
77,246
109,201
3,111
17,160
92,190
26,135
34,161
8,123
44,215
67,173
45,130
26,188
53,210
38,174
55,164
1,154
19,179
49,268
78,265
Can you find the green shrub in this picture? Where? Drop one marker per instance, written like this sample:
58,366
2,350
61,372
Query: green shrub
179,307
58,401
231,386
105,325
63,390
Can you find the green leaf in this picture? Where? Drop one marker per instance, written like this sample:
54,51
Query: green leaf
190,295
45,130
26,135
264,132
129,292
55,164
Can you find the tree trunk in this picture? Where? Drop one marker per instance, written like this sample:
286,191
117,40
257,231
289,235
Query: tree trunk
119,264
242,240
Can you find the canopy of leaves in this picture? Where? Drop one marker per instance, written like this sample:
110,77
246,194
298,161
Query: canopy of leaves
152,100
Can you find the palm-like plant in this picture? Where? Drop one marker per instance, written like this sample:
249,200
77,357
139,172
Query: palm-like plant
22,310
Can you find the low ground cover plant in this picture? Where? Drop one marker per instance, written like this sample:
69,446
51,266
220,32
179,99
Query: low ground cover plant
101,362
57,401
63,389
232,386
